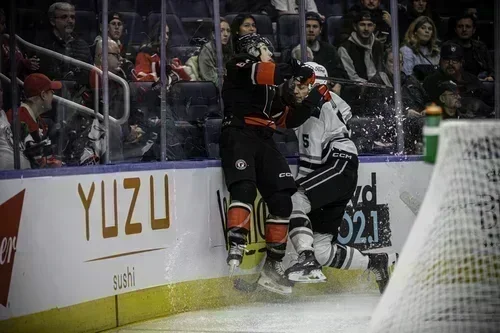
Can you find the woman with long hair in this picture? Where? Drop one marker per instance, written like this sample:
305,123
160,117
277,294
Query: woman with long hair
243,24
415,9
420,48
207,60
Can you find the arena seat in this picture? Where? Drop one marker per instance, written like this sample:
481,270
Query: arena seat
288,31
178,35
212,130
135,30
28,22
87,25
193,100
330,7
334,27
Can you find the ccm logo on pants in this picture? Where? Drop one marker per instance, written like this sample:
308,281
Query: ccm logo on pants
285,174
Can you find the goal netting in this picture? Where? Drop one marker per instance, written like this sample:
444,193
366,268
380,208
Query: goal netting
448,275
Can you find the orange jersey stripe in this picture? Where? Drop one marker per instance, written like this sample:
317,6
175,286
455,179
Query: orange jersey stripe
264,73
238,217
276,233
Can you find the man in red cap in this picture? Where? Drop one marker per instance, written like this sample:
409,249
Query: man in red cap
39,92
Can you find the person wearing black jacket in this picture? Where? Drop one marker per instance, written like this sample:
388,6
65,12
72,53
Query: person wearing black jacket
257,100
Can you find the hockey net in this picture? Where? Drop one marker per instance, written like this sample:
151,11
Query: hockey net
448,275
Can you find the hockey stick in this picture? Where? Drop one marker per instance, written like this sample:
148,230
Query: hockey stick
244,285
344,81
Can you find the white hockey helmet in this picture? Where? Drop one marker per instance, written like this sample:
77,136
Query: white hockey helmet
319,70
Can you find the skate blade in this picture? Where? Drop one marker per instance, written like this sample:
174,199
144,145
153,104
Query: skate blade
315,276
268,284
232,266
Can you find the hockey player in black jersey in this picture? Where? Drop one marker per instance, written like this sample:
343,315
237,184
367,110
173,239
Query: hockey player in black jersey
327,178
255,104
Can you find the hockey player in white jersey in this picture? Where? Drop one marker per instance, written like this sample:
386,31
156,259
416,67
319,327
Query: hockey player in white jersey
326,180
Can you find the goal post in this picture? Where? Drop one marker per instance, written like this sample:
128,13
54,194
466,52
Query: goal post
447,278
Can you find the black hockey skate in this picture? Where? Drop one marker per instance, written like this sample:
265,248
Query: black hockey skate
306,270
235,256
379,265
273,278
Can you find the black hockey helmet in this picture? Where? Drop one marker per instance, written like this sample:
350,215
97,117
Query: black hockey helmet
251,44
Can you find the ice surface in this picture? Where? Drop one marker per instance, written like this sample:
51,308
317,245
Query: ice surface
343,313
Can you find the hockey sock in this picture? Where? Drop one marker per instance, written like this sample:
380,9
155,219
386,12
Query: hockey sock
301,234
238,222
338,256
276,236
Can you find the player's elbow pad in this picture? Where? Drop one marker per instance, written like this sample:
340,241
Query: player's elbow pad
264,73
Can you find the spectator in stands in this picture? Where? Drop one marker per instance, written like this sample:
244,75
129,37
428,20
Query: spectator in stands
380,17
297,54
39,92
24,65
420,49
257,6
361,53
207,60
243,24
449,99
292,7
7,143
116,27
131,132
414,99
324,53
147,62
416,8
62,39
469,86
477,58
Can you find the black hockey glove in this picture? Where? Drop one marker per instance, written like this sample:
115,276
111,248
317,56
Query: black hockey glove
302,73
319,95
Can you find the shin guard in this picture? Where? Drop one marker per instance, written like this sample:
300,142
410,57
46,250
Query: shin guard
238,222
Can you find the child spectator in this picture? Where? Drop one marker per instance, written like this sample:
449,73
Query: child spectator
420,50
7,143
39,92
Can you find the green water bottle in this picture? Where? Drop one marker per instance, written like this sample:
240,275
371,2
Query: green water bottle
433,115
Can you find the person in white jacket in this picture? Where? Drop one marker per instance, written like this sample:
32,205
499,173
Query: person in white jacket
292,6
326,181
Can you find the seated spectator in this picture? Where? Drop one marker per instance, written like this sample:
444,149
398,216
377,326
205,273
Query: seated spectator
416,8
413,96
39,92
207,60
7,143
292,7
147,62
477,58
380,17
257,6
420,49
362,54
24,65
243,24
469,86
61,39
323,53
448,97
130,132
297,53
116,28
